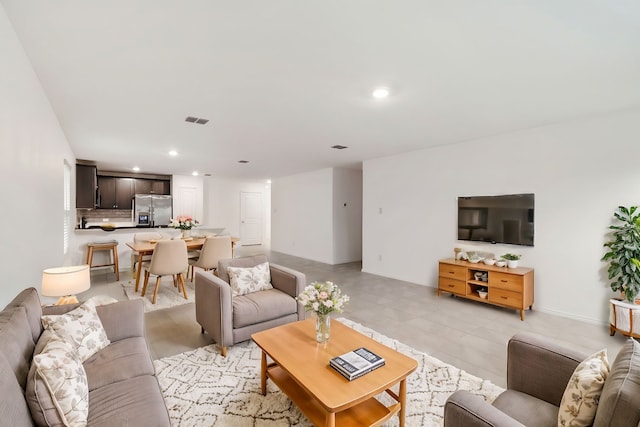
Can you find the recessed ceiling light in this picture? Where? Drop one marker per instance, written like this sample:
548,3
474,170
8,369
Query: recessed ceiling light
380,92
339,147
173,153
243,161
136,169
194,173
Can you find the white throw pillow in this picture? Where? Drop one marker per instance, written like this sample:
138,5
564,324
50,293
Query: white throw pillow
59,370
247,280
580,399
83,326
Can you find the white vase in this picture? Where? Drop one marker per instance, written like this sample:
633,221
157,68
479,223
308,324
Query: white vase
512,263
186,234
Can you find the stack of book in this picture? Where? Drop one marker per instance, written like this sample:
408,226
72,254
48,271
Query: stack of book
356,363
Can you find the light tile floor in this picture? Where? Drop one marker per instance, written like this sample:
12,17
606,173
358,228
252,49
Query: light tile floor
467,334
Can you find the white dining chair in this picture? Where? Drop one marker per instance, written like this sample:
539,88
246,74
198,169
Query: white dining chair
142,238
213,250
169,258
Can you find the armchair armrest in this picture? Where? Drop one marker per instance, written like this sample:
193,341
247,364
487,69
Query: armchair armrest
213,307
465,409
539,367
289,281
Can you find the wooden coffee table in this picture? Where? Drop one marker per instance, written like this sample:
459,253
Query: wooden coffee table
300,368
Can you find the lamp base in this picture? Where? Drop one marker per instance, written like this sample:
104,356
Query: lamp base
67,299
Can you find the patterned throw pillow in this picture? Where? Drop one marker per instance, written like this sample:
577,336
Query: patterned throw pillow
247,280
83,326
580,399
60,374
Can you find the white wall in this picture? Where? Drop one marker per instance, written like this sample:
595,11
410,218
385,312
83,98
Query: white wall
347,215
34,149
302,215
579,171
310,219
222,204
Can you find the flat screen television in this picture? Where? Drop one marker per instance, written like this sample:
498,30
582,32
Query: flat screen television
504,219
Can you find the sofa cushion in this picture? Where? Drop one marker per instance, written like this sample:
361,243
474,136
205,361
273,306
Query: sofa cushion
259,307
133,402
13,407
16,342
580,399
120,360
59,382
30,300
620,399
252,279
528,410
83,326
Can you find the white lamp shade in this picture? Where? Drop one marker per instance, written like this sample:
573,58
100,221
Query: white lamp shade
61,281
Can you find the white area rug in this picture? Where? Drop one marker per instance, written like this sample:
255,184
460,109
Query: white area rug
202,388
168,296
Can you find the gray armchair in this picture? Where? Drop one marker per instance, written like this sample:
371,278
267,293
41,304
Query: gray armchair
232,320
538,372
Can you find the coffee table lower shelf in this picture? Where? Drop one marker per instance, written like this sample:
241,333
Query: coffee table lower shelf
368,413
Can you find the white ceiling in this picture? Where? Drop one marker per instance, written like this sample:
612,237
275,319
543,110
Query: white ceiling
284,80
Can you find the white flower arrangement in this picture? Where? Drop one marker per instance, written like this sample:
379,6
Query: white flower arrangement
323,298
183,222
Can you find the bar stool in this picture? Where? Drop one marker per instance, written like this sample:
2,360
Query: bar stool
111,245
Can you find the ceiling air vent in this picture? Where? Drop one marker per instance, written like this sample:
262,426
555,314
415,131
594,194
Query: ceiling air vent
339,147
196,120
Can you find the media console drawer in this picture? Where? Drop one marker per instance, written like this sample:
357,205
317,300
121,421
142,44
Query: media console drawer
509,282
453,272
453,286
508,287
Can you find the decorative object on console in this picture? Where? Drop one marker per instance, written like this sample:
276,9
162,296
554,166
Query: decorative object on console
512,259
65,282
323,298
624,253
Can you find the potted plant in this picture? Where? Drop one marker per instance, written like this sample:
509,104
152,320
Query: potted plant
512,259
623,252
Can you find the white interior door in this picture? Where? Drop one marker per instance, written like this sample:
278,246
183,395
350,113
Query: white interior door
250,218
186,202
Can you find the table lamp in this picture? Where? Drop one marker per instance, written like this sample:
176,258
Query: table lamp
64,282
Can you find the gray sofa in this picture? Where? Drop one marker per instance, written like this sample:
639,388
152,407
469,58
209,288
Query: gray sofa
538,371
233,320
123,389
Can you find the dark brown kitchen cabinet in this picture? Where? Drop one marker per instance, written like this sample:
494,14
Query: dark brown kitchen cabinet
86,184
115,193
160,187
152,186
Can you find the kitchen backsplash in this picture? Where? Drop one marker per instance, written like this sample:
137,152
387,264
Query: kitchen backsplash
110,215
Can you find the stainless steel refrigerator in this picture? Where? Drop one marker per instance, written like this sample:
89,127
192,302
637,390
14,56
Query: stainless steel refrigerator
151,210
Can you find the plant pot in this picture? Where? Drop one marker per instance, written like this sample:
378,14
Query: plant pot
512,263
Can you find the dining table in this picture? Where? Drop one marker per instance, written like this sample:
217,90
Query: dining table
147,248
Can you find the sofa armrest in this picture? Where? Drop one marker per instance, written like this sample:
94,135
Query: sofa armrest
213,307
465,409
122,319
539,367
